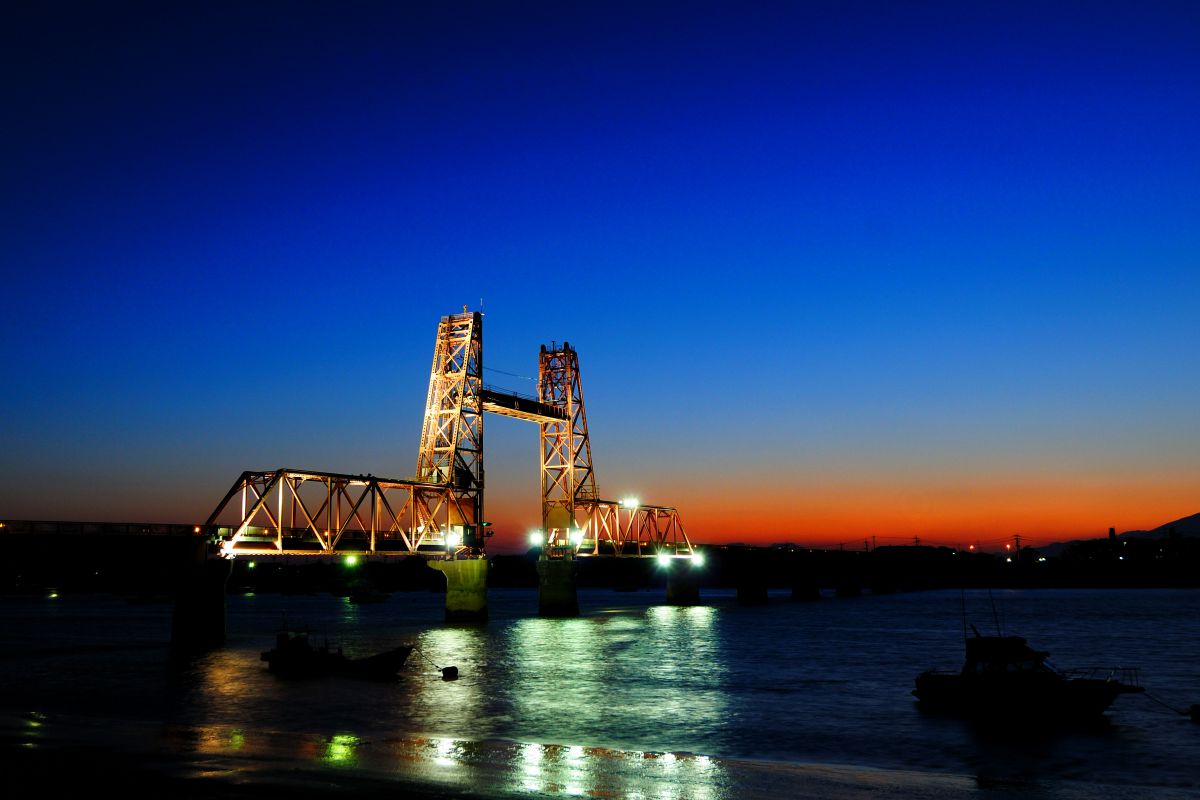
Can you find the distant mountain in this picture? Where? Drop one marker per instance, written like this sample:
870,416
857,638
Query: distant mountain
1185,526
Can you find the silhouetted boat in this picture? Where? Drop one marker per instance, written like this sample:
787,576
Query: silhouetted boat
1004,679
294,657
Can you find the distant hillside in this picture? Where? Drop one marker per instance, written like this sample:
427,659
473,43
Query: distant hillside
1185,526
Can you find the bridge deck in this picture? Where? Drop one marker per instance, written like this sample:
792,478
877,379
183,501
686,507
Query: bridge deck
518,407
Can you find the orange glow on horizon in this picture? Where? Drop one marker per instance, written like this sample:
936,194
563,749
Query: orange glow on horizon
1039,509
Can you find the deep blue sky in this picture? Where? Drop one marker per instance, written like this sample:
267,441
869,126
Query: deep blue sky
843,266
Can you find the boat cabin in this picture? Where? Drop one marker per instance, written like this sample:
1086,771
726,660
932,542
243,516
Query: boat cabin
989,655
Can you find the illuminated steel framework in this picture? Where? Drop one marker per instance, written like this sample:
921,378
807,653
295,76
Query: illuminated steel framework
451,454
568,481
574,518
439,512
301,512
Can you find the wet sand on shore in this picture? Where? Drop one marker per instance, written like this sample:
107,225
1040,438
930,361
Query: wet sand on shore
54,756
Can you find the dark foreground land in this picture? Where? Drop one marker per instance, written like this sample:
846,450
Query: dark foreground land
65,771
149,566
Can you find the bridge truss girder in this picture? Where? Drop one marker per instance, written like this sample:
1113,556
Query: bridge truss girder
298,512
611,528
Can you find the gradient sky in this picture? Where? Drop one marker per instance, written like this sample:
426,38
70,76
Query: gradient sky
833,270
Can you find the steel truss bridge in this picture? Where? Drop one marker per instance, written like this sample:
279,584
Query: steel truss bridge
439,513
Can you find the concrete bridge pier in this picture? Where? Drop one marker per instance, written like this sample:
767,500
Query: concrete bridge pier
805,589
751,575
198,621
751,590
466,589
683,586
557,596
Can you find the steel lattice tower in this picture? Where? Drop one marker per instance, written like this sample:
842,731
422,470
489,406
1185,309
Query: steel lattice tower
452,435
568,480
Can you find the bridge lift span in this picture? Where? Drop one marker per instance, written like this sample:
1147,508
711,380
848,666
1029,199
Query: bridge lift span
439,513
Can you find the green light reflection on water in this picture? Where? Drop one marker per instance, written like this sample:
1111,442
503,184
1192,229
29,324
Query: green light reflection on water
340,750
563,672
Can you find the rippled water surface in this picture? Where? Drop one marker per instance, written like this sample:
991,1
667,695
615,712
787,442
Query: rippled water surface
629,682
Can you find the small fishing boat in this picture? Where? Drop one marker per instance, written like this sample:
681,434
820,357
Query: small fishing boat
295,657
1005,679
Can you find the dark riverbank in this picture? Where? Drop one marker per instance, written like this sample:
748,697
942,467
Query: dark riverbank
148,567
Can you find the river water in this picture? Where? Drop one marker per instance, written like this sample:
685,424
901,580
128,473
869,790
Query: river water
631,699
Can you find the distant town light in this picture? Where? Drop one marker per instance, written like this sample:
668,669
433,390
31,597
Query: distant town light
664,560
196,529
1041,558
1008,560
536,539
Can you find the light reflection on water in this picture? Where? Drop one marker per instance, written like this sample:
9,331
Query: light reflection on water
631,688
547,769
587,679
576,680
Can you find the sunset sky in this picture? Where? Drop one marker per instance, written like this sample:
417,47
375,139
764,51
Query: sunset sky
834,270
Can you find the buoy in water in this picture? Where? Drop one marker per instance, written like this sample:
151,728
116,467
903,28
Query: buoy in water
451,674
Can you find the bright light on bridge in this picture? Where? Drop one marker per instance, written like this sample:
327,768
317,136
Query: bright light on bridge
577,537
630,502
536,539
350,561
697,559
454,538
664,560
